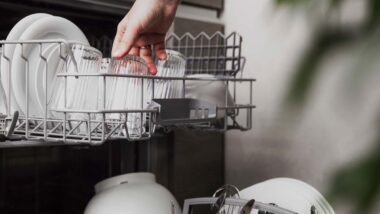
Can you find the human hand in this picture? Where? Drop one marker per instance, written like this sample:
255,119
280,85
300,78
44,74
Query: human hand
143,30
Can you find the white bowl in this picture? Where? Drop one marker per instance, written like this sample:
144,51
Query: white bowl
133,193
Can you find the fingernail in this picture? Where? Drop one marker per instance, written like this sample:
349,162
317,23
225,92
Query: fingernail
152,69
162,56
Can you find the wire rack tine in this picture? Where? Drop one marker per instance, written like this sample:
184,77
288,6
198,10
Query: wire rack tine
198,49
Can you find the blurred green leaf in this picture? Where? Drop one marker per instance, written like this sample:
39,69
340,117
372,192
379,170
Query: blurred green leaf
336,2
359,183
307,71
373,14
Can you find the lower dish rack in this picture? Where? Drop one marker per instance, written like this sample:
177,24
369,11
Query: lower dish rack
94,127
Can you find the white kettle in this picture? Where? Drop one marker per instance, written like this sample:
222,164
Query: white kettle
133,193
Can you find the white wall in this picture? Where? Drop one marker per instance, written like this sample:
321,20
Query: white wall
338,123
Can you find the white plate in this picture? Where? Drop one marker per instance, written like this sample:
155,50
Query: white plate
315,194
46,28
279,193
302,189
8,51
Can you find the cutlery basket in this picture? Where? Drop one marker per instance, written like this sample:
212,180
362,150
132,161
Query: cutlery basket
232,206
226,200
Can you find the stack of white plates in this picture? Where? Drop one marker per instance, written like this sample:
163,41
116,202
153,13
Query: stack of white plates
288,193
35,27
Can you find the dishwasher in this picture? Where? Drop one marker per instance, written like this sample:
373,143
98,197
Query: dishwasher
217,55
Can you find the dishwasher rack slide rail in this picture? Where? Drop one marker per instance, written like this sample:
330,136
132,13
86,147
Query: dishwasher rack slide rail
97,126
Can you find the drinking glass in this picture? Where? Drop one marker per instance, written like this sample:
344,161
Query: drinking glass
128,92
88,60
173,66
83,92
104,66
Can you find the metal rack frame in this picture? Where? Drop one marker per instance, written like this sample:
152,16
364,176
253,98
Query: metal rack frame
63,130
216,54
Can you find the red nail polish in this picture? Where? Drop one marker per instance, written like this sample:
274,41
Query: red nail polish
153,70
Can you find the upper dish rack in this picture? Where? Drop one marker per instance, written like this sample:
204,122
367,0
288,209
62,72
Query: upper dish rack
95,126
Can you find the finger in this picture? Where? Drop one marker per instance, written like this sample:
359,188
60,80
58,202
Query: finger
150,39
159,49
125,42
118,37
146,54
135,51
